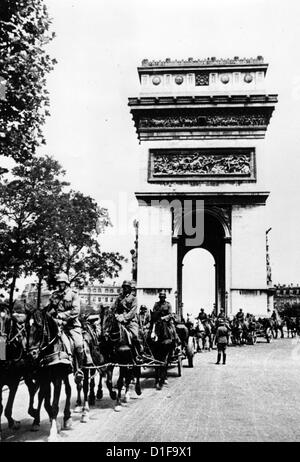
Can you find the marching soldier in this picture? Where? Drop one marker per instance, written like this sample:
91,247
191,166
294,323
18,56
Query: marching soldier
65,305
125,311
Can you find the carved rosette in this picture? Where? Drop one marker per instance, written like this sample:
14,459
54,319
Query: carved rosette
202,163
201,78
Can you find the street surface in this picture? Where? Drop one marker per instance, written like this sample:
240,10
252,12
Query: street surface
255,397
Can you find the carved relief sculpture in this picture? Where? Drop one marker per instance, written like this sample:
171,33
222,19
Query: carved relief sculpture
223,120
199,163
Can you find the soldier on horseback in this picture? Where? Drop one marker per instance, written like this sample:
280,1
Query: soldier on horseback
125,312
65,306
202,315
164,310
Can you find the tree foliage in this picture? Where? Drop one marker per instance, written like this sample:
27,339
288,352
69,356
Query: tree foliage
24,65
46,228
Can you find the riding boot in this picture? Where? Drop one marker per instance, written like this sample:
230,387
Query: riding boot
224,358
139,350
219,357
79,355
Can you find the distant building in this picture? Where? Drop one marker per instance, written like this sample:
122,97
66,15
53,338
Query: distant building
99,295
287,298
92,297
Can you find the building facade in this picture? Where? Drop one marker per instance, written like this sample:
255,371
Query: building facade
91,297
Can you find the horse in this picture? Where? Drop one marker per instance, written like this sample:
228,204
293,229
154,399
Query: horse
291,326
51,354
95,358
204,333
118,349
278,325
12,351
162,343
237,330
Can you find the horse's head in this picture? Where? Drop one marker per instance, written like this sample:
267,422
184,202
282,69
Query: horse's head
12,329
41,331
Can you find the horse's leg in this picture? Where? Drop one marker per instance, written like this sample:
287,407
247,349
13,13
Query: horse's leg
13,386
92,396
85,409
109,384
119,386
99,394
128,375
138,389
67,410
57,382
33,387
281,330
78,407
43,391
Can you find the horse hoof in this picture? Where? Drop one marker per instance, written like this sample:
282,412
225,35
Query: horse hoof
68,424
126,398
113,395
53,439
158,386
92,401
138,389
78,409
166,382
35,427
15,425
118,408
100,395
85,418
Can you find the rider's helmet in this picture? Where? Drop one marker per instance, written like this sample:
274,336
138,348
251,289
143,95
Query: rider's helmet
143,308
127,284
162,293
62,277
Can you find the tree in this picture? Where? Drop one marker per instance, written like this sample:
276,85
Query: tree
24,65
77,251
26,204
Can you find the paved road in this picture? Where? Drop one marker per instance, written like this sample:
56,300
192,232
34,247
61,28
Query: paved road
255,397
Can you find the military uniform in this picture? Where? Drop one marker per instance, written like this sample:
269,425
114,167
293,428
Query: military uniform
67,306
221,339
125,310
240,316
202,316
164,309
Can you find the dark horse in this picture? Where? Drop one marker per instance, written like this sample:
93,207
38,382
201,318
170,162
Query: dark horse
51,356
96,356
119,350
162,344
12,356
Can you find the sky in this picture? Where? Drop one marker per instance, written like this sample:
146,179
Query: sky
100,43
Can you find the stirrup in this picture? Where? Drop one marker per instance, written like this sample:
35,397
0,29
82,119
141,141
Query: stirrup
78,376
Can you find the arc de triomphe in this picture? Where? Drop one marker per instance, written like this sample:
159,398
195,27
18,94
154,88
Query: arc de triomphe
201,126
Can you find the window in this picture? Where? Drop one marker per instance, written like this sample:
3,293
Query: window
106,291
111,291
106,299
111,299
99,299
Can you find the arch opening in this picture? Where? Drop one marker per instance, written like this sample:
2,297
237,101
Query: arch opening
198,282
